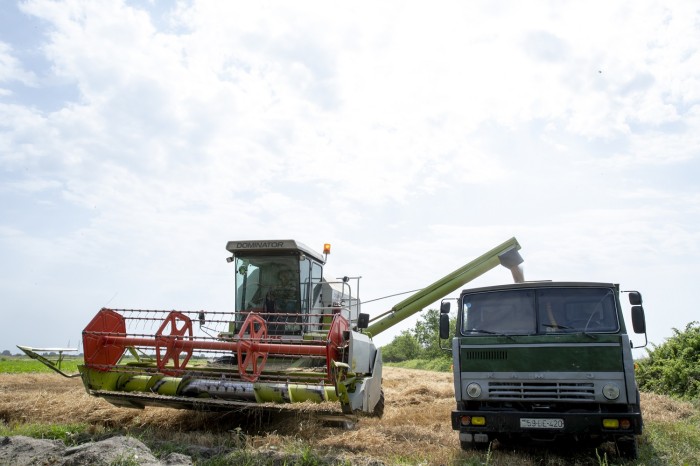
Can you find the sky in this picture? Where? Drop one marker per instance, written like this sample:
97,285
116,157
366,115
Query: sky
138,137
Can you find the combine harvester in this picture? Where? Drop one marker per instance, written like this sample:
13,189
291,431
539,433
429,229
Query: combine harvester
294,336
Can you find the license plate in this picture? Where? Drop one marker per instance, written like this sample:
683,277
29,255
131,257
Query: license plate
546,423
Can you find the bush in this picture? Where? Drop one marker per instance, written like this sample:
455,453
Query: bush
673,368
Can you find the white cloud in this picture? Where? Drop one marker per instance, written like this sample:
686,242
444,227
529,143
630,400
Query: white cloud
412,136
11,68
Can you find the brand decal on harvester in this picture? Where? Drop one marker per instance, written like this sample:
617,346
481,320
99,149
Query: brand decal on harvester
260,244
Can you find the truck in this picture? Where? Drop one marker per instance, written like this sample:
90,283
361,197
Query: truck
545,361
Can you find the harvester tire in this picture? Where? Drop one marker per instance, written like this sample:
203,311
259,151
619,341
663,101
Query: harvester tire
379,407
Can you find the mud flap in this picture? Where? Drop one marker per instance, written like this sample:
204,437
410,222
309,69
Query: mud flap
368,390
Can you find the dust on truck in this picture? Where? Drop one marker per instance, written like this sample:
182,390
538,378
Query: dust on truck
545,361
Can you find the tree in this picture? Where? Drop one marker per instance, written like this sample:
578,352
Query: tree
674,366
402,348
419,343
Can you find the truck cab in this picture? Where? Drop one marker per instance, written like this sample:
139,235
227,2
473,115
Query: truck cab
543,361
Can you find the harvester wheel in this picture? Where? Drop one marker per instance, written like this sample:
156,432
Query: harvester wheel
178,325
253,330
378,410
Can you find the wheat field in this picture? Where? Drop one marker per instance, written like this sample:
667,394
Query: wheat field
415,428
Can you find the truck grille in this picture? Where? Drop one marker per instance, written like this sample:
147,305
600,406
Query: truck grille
485,355
536,391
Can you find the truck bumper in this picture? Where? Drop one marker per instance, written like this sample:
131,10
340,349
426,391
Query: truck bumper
483,426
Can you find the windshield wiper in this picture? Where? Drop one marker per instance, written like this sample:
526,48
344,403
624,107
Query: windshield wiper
489,332
557,326
564,327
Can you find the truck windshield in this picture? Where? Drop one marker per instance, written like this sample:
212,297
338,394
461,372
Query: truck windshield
537,311
510,312
577,310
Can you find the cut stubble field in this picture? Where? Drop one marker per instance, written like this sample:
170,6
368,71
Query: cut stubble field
415,428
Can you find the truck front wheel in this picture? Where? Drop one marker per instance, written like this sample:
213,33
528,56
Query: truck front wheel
469,446
627,447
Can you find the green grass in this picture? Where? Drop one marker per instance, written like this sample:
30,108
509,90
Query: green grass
67,433
24,365
438,365
675,442
128,459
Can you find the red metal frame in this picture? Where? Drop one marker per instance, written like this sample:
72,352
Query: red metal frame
254,330
99,352
178,327
105,339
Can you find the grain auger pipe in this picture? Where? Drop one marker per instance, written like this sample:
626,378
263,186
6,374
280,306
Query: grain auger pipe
505,254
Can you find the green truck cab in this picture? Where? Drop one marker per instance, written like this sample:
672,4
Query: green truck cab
544,361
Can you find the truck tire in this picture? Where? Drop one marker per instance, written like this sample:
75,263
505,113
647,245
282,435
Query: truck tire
627,447
470,446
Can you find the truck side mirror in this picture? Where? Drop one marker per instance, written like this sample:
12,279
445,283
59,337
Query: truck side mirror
444,324
362,321
638,321
445,307
635,298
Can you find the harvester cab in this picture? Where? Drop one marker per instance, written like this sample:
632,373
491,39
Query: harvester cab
283,282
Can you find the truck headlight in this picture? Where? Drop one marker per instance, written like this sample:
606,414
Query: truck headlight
611,391
473,390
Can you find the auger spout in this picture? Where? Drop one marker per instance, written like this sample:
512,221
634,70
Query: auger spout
505,254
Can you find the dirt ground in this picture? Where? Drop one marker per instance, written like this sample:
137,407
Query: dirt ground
415,428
